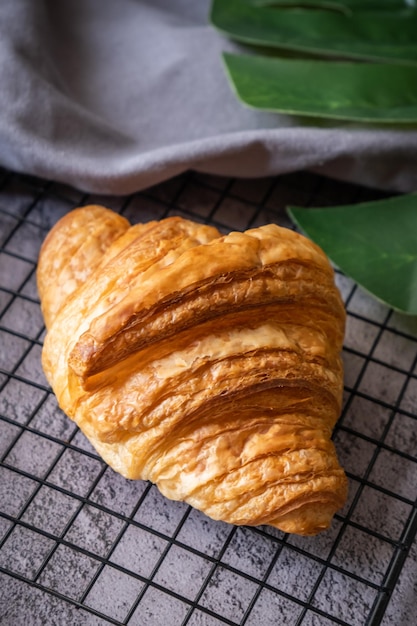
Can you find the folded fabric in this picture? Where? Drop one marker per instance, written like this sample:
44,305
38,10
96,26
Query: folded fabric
113,97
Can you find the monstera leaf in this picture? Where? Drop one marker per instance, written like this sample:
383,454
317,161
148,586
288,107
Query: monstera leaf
351,32
375,243
361,92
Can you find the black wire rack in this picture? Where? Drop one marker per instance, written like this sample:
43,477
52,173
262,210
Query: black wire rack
81,545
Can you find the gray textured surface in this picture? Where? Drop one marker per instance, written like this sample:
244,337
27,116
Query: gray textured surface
81,545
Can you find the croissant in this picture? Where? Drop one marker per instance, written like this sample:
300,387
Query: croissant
208,364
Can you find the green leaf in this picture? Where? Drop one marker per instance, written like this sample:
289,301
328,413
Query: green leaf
364,92
346,6
327,5
389,36
375,243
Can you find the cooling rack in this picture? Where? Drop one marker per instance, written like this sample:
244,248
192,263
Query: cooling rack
81,545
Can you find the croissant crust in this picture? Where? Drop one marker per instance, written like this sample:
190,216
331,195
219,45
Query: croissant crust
208,364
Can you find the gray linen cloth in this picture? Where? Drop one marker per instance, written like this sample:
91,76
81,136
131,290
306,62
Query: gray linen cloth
113,96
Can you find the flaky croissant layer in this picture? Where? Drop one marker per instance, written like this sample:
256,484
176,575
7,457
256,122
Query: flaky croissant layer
207,364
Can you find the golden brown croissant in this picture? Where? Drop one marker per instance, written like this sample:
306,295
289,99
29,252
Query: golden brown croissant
207,364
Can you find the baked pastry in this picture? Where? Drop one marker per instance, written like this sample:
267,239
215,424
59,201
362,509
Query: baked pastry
206,364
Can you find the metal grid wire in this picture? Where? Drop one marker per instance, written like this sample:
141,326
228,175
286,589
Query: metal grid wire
81,545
